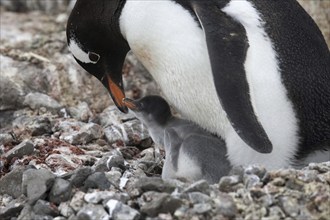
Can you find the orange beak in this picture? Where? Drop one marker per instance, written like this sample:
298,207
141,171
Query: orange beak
117,93
131,104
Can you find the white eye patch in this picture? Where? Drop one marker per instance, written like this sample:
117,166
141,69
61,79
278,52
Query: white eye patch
81,55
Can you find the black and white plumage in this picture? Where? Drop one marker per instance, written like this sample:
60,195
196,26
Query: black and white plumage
191,152
255,72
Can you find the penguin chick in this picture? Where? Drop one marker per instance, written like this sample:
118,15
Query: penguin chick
190,151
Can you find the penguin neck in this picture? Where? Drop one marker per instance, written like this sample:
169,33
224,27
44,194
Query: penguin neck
157,130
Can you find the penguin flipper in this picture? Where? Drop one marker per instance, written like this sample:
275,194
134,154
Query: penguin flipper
172,146
227,47
210,153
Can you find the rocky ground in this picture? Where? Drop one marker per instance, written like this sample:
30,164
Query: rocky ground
68,153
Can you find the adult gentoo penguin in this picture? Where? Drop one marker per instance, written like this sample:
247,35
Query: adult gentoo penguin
254,72
191,152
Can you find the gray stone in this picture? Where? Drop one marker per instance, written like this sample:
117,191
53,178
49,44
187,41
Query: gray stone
198,197
59,218
43,207
111,116
24,148
39,126
12,94
201,208
77,201
86,134
110,160
97,180
65,209
6,139
81,112
37,100
225,205
11,183
68,126
155,203
13,209
61,191
44,5
119,211
251,180
276,211
131,132
36,183
78,176
114,177
228,183
145,184
92,212
290,206
104,196
26,213
115,161
199,186
256,170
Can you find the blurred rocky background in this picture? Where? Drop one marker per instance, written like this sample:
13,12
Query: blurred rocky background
67,153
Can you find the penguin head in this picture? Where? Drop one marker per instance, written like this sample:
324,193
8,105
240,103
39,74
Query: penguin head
150,109
94,39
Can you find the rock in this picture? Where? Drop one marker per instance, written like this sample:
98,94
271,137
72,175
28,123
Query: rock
229,183
86,134
97,180
78,176
61,163
41,125
201,208
24,148
92,212
77,201
61,191
225,205
43,207
26,213
37,100
111,116
155,203
36,183
44,5
131,132
104,196
197,197
199,186
13,209
290,206
256,170
65,209
11,183
81,112
6,139
120,211
251,180
116,161
114,177
146,184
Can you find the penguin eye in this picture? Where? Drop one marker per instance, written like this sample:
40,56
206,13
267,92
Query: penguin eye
94,57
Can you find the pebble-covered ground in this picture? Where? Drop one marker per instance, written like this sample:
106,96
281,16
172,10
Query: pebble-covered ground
68,153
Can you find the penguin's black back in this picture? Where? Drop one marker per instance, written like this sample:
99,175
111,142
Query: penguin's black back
304,62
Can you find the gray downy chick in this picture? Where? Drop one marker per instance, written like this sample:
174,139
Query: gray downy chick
190,151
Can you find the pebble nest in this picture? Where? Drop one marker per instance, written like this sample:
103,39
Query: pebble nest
68,153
